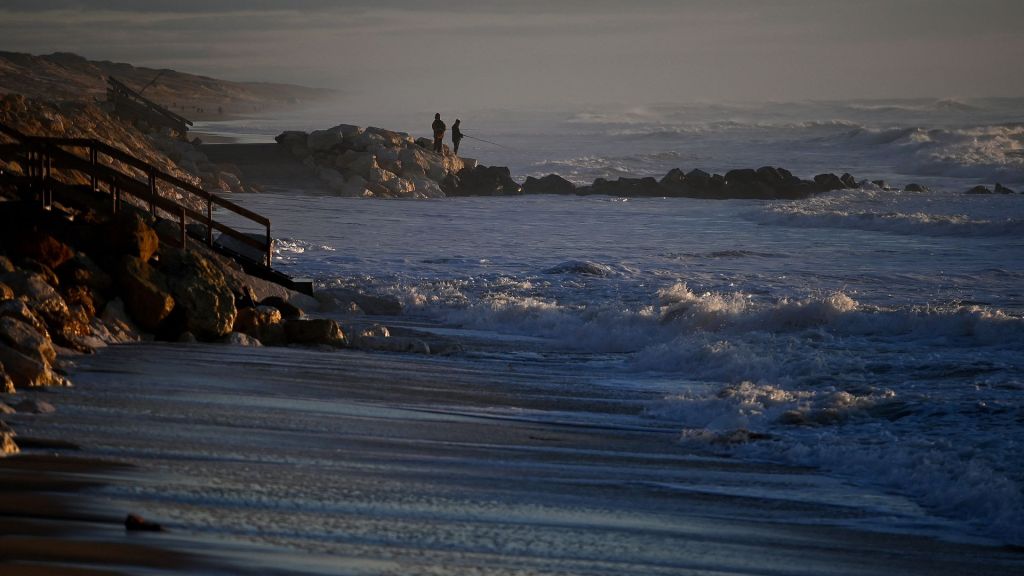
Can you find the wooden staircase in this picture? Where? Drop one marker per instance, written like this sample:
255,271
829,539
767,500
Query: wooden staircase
49,165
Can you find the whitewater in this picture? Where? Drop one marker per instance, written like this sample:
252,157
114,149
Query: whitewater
875,335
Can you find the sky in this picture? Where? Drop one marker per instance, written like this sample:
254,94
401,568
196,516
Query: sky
544,53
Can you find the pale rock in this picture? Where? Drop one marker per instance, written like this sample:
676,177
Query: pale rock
469,163
368,139
240,339
375,331
415,161
380,176
6,387
202,292
427,188
400,187
6,292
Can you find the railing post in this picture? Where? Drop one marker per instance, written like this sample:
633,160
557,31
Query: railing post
209,221
115,193
152,193
93,160
270,246
184,239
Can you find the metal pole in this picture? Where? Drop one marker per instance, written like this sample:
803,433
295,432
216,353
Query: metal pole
209,222
270,246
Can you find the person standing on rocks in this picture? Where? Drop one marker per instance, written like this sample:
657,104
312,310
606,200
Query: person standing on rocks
439,128
456,136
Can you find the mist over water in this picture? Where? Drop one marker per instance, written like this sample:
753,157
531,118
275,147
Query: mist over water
875,334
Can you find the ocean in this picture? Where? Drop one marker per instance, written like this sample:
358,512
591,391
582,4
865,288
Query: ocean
875,336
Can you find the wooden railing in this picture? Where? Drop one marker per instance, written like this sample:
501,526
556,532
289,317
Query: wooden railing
46,155
133,104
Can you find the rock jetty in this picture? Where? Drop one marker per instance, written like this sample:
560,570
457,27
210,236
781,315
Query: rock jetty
377,163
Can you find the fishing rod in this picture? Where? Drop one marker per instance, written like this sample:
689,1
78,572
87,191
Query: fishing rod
487,141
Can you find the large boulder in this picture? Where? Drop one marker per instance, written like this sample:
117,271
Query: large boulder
128,233
6,292
484,181
205,301
146,294
314,331
44,248
324,140
627,187
828,182
26,372
20,311
294,141
550,184
25,339
263,323
1000,189
7,445
915,187
80,270
979,189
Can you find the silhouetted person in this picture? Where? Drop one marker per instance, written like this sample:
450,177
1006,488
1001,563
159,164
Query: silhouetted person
456,136
439,128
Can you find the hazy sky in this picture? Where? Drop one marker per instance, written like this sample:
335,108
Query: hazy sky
509,53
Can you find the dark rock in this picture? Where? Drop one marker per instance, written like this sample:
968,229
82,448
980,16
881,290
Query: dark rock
288,310
201,293
550,184
698,178
828,182
145,293
30,406
741,175
674,182
880,183
1000,189
628,187
483,181
45,249
245,297
129,234
849,180
83,296
6,265
979,189
136,523
314,331
915,187
36,267
82,271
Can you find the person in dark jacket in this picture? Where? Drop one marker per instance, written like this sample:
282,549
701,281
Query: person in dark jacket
439,128
456,136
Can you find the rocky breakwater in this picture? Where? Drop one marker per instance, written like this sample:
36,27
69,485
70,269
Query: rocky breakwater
377,163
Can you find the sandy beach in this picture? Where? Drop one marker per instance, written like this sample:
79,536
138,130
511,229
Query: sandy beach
309,462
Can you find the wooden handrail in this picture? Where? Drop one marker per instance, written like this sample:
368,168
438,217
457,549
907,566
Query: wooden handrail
118,85
118,182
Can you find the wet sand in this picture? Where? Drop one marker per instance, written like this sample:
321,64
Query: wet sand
308,462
